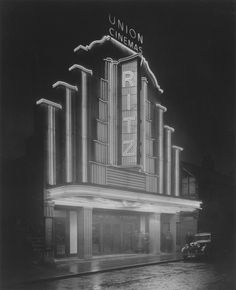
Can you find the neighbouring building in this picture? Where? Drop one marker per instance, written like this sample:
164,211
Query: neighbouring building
216,191
112,175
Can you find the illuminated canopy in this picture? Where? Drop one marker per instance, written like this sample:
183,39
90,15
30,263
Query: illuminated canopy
102,197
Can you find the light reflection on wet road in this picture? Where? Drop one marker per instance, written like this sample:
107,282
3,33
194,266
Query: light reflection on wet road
172,276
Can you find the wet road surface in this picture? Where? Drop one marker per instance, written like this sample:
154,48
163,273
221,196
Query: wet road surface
169,276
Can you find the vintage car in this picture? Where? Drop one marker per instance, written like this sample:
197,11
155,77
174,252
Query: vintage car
200,247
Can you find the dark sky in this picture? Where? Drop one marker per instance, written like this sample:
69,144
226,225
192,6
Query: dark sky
190,47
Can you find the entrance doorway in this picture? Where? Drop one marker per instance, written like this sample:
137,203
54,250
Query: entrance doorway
165,228
60,237
168,232
65,233
114,233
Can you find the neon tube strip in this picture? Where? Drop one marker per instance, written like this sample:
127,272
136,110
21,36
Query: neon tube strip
51,139
168,132
69,162
176,177
143,124
84,113
160,147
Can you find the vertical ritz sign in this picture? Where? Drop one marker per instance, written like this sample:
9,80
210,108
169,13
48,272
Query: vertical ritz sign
129,128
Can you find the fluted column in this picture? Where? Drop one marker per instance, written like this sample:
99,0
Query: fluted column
51,139
168,132
84,114
143,120
160,147
111,76
176,177
69,153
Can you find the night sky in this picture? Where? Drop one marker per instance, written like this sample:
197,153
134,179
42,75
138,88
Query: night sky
190,47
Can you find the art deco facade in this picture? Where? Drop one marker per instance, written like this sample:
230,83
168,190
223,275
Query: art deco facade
112,172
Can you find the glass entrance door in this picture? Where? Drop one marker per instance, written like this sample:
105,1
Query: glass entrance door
114,233
128,238
65,233
61,233
60,236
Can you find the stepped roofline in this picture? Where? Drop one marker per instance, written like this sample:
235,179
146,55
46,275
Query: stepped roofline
132,53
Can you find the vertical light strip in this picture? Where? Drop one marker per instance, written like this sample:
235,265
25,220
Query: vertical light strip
111,76
51,139
160,158
143,121
68,129
160,147
54,143
129,113
68,136
110,111
168,162
115,115
84,116
168,132
84,128
50,144
176,179
176,172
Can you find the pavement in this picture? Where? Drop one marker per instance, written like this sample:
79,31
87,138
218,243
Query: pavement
68,268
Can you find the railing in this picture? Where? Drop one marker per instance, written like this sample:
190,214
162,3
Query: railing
125,178
119,177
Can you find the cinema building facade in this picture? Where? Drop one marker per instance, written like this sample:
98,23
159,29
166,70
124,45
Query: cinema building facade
112,174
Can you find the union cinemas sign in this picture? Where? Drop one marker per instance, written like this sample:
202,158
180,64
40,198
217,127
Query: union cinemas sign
125,34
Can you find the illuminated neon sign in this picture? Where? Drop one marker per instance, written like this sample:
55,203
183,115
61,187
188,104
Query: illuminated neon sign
129,112
125,34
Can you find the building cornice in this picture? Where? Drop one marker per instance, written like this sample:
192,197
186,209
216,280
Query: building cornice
177,148
82,68
161,107
169,128
66,85
49,103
